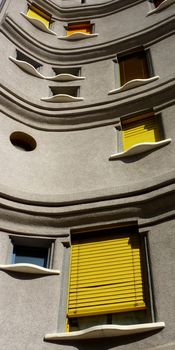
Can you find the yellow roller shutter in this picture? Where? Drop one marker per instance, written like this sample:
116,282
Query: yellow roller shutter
36,13
105,276
140,129
80,28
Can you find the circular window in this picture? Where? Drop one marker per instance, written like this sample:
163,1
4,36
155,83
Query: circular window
23,141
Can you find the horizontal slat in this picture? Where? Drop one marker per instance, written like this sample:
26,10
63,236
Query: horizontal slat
102,290
106,309
78,298
105,266
105,301
128,271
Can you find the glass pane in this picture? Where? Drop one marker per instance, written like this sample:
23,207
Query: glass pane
31,255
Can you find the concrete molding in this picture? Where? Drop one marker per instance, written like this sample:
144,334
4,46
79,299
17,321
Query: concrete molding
38,24
62,98
36,115
140,148
98,9
133,83
29,268
98,332
146,35
28,68
77,36
162,6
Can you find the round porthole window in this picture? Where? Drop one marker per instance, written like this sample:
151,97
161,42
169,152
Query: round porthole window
23,141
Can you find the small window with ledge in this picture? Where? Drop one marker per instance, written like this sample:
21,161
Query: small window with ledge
84,27
37,13
133,69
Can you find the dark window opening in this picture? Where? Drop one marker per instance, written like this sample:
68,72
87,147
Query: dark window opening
32,255
22,57
133,66
65,90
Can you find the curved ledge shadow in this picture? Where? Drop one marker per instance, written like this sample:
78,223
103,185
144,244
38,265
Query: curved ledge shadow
132,84
62,98
140,148
77,36
28,68
29,268
38,24
162,6
105,331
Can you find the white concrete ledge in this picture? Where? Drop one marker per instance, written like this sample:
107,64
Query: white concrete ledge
77,36
163,5
38,24
132,84
105,331
140,148
62,98
29,268
27,67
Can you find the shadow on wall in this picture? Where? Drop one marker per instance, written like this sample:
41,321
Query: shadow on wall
107,343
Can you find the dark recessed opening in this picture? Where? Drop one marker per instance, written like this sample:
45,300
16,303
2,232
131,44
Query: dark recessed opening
74,70
23,141
21,57
65,90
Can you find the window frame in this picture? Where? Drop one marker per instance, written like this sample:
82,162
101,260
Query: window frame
123,55
30,243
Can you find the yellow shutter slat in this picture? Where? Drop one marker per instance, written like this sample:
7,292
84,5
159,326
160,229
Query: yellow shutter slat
105,274
138,131
106,309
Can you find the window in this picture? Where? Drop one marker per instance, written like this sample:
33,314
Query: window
22,57
67,90
32,251
107,282
157,2
37,13
85,27
143,128
76,71
133,66
31,255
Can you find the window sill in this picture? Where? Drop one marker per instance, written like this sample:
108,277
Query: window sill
62,98
40,25
29,268
105,331
162,6
28,68
132,84
77,36
140,148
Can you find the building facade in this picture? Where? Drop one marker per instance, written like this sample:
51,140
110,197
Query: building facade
87,175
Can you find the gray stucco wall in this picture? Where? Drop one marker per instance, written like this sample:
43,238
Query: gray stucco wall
68,184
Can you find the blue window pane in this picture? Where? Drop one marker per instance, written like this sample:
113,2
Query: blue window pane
31,255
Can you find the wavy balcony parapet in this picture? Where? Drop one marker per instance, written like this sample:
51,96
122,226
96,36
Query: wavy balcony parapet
162,6
62,98
28,68
77,36
38,24
105,331
132,84
140,148
29,268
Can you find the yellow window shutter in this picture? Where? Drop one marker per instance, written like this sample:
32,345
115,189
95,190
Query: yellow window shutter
79,28
105,276
36,13
140,129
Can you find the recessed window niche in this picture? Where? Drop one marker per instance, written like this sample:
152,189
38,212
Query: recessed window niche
23,141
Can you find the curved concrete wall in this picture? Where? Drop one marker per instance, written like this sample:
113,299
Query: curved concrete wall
67,184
